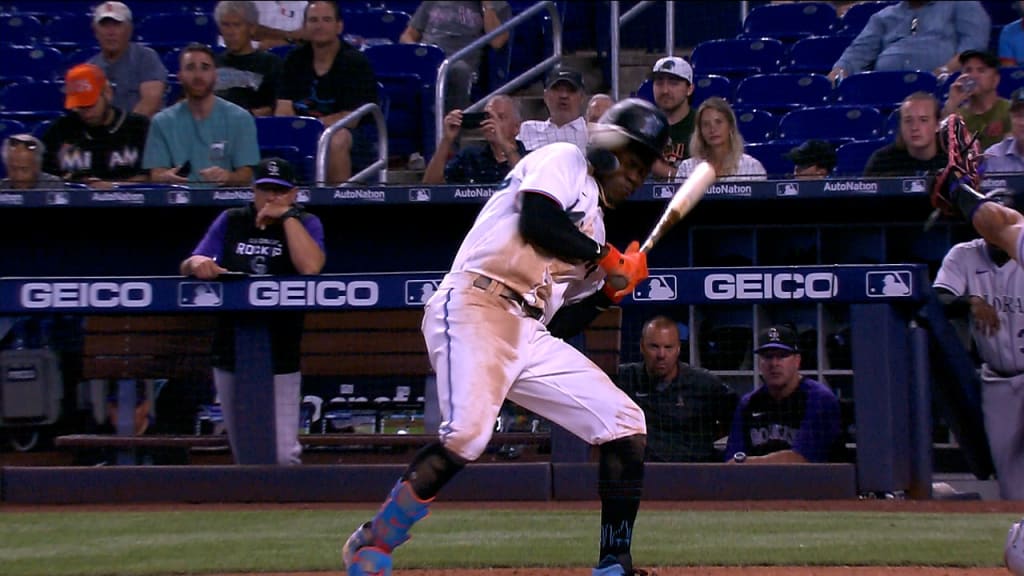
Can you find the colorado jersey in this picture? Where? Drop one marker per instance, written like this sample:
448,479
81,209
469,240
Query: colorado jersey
968,270
494,247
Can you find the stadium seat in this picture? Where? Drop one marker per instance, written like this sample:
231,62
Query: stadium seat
780,93
815,55
408,73
41,127
883,89
46,63
29,99
857,16
738,57
725,347
772,157
708,85
175,29
375,25
833,123
853,156
294,138
892,124
20,29
790,22
1010,79
69,31
646,90
10,126
170,60
756,125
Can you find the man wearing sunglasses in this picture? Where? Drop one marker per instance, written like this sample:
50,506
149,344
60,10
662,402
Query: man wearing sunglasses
95,142
23,159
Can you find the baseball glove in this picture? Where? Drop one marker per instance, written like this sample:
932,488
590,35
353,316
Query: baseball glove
963,158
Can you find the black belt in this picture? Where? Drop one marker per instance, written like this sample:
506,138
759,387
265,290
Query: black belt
484,283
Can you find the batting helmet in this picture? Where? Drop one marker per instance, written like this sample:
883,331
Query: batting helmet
1013,554
632,122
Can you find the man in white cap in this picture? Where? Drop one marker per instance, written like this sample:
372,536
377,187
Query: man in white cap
137,74
672,79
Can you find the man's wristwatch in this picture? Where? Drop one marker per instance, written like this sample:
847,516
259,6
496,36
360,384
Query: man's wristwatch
292,212
739,457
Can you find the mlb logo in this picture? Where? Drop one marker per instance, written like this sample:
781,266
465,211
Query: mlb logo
419,195
888,284
200,294
662,191
417,292
178,197
787,189
302,196
915,186
58,198
656,288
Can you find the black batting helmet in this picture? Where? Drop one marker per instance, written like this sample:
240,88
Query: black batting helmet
633,122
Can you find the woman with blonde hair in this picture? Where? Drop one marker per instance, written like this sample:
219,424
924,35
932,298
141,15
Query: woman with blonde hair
717,140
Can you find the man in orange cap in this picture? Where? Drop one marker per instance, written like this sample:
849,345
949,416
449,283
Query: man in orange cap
95,142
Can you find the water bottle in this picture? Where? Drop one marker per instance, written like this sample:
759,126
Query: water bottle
969,84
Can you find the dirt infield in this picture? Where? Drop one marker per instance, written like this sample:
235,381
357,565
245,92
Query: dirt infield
699,571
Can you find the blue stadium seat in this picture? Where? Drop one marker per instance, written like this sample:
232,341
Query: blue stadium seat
772,157
1010,79
1001,13
853,156
833,123
10,126
816,54
175,29
708,85
790,22
29,99
646,90
45,63
883,89
21,29
756,125
41,127
408,73
294,138
783,92
857,16
892,124
170,60
738,57
375,24
69,31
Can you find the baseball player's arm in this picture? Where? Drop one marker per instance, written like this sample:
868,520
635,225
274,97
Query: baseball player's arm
545,224
571,320
305,245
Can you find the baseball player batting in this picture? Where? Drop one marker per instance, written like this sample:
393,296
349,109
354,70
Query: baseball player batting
531,271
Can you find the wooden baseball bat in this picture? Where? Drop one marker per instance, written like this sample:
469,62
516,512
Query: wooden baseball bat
686,197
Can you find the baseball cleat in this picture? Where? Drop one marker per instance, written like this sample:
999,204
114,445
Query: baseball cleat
610,566
359,539
370,561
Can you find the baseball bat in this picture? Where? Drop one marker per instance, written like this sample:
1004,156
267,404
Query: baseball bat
686,197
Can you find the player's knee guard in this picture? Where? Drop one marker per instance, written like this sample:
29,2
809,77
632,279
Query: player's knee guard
370,561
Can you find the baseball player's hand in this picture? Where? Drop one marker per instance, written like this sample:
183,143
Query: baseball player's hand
271,212
986,320
452,124
624,270
205,268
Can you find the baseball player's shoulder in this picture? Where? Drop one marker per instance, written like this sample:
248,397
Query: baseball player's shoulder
817,390
973,247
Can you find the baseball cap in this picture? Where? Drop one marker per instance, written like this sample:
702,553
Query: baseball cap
83,85
813,153
1017,98
778,338
673,66
564,74
116,10
988,58
276,171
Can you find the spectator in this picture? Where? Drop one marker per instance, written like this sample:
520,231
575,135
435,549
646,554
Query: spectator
916,150
563,96
974,97
687,408
597,106
280,23
980,279
485,163
453,25
814,159
1011,41
136,72
203,138
245,76
22,155
94,142
285,241
1008,156
790,418
328,79
718,141
673,86
916,35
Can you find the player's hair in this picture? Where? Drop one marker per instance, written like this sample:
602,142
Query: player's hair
244,8
657,323
919,95
730,162
196,47
5,149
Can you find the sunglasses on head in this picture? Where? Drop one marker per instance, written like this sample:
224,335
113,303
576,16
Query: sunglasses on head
22,141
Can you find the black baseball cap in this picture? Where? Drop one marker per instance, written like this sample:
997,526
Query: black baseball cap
813,153
778,338
564,74
988,58
1017,98
276,171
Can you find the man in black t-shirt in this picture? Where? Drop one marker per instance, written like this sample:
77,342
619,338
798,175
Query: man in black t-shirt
95,142
245,76
327,79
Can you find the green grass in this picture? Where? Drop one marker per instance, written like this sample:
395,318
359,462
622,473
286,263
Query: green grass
198,542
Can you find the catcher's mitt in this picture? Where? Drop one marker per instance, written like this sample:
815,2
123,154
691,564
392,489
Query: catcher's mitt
963,156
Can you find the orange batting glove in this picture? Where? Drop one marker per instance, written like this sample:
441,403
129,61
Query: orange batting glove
624,270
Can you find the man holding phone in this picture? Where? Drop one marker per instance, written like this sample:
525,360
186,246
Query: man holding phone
487,162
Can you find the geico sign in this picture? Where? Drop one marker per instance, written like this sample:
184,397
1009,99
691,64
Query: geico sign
312,292
780,285
86,295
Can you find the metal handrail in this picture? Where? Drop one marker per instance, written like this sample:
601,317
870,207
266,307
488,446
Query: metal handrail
441,86
324,143
618,21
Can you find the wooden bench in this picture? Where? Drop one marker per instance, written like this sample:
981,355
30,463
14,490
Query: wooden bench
346,345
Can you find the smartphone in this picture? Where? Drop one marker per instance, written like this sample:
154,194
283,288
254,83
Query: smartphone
185,169
473,120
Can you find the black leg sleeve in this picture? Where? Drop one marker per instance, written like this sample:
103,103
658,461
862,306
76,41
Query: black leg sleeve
620,486
431,469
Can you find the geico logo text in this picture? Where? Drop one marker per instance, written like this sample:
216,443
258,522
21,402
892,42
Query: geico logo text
312,292
782,285
86,295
